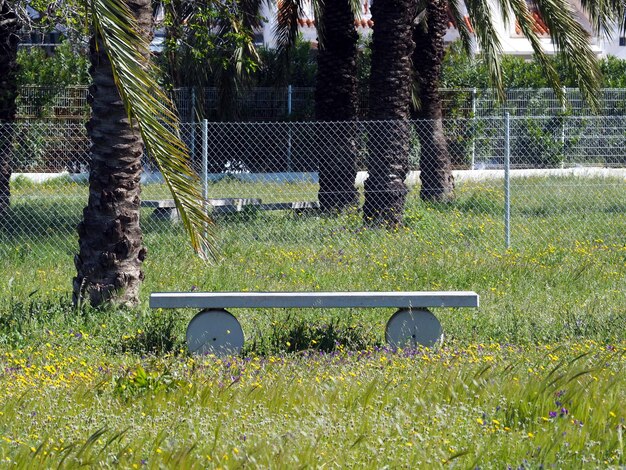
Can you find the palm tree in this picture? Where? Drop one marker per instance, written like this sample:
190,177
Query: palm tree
336,97
435,166
9,26
565,31
128,108
336,93
390,94
388,163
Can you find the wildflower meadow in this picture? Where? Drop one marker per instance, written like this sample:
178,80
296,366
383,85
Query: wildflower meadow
534,378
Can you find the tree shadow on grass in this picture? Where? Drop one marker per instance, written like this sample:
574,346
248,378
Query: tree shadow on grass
617,208
40,219
486,202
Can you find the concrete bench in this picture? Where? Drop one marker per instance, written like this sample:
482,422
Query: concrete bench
297,206
215,330
165,209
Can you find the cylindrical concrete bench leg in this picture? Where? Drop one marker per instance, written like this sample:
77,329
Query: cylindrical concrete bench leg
214,331
412,328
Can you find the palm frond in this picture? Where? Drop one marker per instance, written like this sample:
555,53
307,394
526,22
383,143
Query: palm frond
286,29
251,12
357,8
236,61
245,52
154,114
604,15
487,37
527,26
572,43
458,16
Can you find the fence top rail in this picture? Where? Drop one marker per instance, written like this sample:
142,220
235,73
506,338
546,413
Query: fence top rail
361,124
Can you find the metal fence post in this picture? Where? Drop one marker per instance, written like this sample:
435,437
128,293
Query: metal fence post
192,119
563,112
289,91
205,171
507,180
205,159
473,128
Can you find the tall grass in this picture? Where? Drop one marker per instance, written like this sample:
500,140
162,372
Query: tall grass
562,278
534,377
488,405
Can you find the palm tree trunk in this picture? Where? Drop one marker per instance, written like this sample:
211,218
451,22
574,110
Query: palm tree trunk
111,245
390,96
435,166
336,100
9,26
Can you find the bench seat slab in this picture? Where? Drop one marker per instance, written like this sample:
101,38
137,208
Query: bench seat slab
419,299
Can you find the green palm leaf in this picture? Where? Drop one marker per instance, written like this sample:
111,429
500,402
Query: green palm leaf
604,15
286,28
481,15
572,42
154,114
458,16
527,26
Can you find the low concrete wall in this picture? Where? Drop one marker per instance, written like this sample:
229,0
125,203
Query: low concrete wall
39,177
578,172
312,177
483,175
146,177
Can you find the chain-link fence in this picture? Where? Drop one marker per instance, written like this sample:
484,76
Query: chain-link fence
297,103
529,102
66,104
47,146
523,181
270,147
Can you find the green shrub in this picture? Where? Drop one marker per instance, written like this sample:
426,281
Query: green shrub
63,68
461,71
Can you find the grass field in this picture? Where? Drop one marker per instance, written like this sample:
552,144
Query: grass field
535,377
